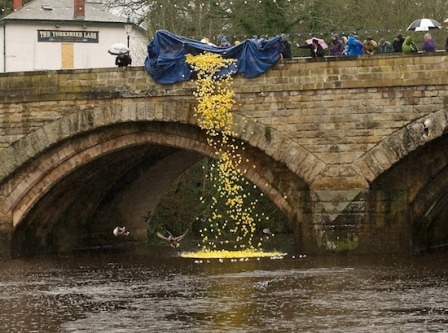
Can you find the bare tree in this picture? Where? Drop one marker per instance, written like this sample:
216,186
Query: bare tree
6,6
239,19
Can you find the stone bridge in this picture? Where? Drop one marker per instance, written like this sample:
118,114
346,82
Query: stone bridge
338,145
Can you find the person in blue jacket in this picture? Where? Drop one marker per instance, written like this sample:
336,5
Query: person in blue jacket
355,47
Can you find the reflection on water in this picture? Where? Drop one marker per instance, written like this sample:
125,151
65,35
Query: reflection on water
117,292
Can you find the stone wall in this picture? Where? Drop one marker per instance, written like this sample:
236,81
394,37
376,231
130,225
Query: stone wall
337,110
337,124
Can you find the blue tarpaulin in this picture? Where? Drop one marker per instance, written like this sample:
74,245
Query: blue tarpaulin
166,64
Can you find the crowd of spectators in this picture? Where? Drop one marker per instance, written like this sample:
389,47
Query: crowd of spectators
352,45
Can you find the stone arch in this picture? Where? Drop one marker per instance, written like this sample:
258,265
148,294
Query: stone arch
400,144
60,148
429,214
415,189
60,132
275,145
399,171
64,159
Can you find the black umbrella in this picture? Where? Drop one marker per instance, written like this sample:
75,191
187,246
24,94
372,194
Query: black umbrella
424,24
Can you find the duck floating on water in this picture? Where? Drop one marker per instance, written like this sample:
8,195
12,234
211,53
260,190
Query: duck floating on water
120,231
173,241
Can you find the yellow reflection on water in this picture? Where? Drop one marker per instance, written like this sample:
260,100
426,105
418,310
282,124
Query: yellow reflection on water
222,254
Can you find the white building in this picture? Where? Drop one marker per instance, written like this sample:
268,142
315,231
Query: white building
59,34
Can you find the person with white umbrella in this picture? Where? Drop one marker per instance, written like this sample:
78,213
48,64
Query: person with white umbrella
429,45
118,48
123,58
424,24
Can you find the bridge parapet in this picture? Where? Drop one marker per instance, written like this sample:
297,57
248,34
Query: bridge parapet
291,75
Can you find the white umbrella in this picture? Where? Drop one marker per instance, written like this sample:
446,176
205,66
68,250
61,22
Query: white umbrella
118,48
424,24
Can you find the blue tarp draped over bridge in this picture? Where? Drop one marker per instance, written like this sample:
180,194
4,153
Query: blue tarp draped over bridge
165,61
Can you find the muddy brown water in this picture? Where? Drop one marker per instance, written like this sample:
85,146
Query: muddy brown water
144,291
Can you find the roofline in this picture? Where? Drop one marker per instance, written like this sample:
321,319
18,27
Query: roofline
71,22
59,21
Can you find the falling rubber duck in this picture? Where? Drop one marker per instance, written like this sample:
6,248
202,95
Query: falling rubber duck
120,231
173,241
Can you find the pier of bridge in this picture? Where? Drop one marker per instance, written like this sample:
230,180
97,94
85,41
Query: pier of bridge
338,145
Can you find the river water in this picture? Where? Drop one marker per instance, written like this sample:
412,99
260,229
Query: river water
161,292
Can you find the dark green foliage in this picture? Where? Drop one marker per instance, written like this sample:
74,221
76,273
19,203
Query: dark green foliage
6,6
240,19
182,208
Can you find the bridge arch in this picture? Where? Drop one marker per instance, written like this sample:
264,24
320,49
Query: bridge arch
276,145
412,195
401,143
68,145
